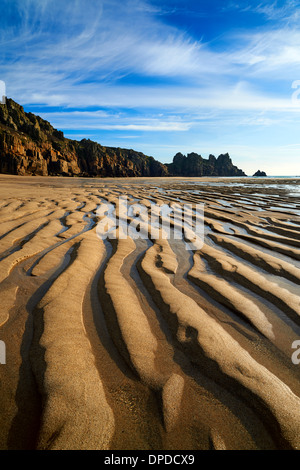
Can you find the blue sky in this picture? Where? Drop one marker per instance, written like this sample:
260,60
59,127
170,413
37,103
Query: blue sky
162,76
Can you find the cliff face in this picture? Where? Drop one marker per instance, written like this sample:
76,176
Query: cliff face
29,145
194,165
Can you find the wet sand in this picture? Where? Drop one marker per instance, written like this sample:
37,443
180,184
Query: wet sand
140,343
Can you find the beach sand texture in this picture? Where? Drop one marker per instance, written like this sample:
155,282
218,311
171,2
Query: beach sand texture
141,344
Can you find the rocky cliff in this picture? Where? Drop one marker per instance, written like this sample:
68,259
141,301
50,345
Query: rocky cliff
29,145
194,165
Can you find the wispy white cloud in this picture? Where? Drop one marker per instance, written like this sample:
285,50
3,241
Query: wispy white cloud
241,96
286,11
99,120
97,48
145,75
159,127
263,53
96,40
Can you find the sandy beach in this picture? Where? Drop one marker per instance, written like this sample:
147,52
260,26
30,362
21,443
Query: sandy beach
140,343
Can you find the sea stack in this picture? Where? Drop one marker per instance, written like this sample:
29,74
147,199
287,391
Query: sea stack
260,173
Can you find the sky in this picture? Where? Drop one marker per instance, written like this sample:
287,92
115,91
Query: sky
162,76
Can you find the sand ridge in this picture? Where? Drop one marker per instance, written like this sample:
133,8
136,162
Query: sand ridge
139,343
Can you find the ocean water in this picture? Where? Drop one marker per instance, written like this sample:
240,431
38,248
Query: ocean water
285,185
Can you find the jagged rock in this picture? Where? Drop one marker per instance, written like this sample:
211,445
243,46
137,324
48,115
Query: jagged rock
260,173
29,145
194,165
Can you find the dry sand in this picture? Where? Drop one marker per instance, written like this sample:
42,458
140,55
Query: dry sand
141,344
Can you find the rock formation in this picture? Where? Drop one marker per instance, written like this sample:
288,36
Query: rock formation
194,165
260,173
29,145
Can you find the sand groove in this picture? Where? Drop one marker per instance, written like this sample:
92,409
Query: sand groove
140,343
74,399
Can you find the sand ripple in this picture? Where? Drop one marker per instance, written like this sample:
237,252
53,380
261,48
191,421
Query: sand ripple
139,343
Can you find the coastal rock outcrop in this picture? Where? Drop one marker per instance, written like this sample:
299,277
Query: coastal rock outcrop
29,145
260,173
194,165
